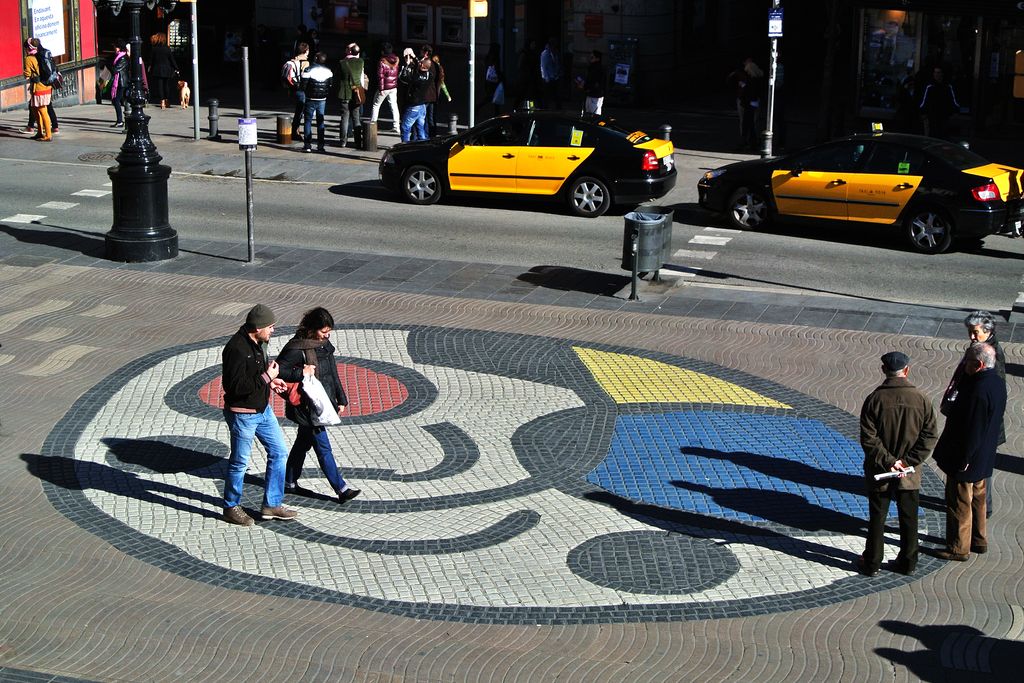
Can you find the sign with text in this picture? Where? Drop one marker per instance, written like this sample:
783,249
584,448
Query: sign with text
775,23
247,134
48,24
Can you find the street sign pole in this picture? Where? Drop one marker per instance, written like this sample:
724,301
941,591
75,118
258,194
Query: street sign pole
195,70
477,8
774,32
247,137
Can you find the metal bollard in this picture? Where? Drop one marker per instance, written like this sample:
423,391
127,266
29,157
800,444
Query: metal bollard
284,129
369,136
666,132
214,106
453,124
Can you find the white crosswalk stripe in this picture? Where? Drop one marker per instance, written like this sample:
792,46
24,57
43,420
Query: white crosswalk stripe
710,239
90,193
22,218
693,253
59,206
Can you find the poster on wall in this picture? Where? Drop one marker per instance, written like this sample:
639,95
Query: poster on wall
48,24
888,61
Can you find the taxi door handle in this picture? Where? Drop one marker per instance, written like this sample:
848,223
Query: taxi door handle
904,186
838,181
573,158
507,156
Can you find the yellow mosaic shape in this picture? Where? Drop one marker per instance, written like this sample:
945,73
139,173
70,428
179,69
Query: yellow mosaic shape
631,379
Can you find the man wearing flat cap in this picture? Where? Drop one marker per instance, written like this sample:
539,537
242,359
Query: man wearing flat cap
248,378
966,452
897,432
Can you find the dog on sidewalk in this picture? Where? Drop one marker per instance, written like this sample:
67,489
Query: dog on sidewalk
184,94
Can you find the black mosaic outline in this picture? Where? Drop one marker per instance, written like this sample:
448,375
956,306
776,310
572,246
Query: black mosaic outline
53,466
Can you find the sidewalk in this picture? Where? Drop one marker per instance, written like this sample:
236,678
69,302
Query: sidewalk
557,484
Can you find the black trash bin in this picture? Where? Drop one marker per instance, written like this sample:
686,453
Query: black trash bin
666,226
650,241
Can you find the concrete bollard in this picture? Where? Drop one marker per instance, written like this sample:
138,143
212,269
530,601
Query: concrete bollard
214,106
666,132
369,136
284,129
453,124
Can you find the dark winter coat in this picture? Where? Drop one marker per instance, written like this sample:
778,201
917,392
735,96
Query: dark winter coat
387,72
593,83
967,447
419,85
317,82
350,74
161,62
244,373
119,67
897,422
293,357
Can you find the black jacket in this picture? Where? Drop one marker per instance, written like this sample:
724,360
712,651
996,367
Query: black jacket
161,62
245,380
971,434
419,85
317,81
593,84
293,357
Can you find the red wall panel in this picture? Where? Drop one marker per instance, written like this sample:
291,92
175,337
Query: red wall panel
87,15
11,54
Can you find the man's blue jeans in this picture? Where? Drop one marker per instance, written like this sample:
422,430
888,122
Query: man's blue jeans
414,114
317,439
318,107
265,427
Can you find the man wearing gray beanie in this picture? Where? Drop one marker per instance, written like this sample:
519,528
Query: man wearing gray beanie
248,378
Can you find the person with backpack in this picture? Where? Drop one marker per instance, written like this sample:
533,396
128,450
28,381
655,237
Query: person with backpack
41,91
316,85
387,79
291,76
49,75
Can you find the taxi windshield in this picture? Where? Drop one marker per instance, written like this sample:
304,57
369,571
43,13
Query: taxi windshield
957,156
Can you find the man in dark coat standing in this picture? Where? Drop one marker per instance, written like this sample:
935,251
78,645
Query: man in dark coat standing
897,432
966,452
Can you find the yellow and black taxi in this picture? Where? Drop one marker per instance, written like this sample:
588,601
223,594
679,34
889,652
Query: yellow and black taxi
587,160
935,192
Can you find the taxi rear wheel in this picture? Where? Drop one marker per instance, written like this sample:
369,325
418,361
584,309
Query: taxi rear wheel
589,197
421,185
929,230
748,209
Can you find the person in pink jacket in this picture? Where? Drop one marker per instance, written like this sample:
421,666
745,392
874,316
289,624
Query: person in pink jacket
387,78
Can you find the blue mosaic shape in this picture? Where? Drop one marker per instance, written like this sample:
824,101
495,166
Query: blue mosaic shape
778,469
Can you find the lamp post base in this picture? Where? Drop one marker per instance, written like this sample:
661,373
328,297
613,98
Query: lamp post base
141,231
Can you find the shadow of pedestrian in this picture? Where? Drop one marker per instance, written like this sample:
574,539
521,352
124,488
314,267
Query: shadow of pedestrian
82,475
568,279
68,239
953,653
705,526
789,509
784,468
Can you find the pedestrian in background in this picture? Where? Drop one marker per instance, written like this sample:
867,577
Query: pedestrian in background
493,77
119,82
420,82
311,353
40,92
593,84
897,432
316,83
433,93
981,329
551,75
387,80
248,378
528,89
938,104
162,67
291,76
352,84
966,452
33,117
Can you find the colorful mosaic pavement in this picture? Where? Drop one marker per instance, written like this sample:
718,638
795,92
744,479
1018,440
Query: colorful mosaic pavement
506,479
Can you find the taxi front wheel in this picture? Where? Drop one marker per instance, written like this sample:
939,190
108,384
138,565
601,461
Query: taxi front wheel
748,209
421,185
928,230
589,197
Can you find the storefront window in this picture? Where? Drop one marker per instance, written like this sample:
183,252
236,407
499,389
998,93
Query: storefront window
417,24
889,60
343,16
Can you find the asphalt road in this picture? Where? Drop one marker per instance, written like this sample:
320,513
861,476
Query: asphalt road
360,216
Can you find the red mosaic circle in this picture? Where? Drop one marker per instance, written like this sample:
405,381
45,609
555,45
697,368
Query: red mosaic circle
369,392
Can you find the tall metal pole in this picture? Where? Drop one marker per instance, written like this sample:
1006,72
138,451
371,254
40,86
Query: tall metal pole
195,70
766,149
472,71
248,160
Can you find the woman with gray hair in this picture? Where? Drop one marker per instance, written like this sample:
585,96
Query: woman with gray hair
981,329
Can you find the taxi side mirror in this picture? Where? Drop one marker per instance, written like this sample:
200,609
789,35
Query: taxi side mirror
796,172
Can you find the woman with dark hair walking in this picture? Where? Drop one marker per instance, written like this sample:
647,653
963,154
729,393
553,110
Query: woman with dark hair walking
310,352
162,67
41,92
119,84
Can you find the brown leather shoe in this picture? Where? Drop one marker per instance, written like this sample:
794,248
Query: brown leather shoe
237,515
979,549
279,512
950,555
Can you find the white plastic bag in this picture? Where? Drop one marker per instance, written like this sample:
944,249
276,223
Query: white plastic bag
321,409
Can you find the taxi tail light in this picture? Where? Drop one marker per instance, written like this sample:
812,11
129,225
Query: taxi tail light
650,161
986,193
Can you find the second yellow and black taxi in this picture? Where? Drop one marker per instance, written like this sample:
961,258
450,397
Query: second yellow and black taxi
934,192
588,161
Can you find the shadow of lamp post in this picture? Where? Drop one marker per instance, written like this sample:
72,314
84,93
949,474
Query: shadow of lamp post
140,231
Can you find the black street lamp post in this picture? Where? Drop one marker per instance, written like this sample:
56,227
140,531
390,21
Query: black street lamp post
140,231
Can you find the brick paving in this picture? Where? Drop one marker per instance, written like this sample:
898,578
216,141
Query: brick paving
576,490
